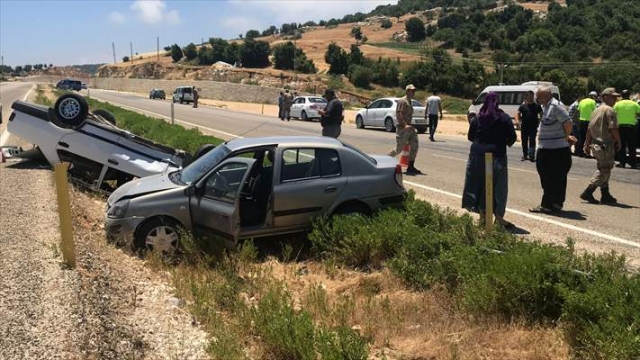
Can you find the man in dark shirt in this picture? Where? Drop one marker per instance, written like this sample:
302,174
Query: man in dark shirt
528,117
332,117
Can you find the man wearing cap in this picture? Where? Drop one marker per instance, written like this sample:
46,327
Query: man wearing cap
585,108
405,132
627,110
603,140
331,116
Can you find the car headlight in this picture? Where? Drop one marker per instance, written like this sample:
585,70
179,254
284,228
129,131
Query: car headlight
118,210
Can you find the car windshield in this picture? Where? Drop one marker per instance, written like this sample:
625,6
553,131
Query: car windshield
194,171
347,145
318,100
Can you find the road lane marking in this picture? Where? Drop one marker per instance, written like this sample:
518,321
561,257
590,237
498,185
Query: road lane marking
510,167
535,217
5,134
169,118
458,196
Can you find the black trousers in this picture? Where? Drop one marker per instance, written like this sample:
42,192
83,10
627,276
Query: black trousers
433,124
553,166
584,127
528,138
628,140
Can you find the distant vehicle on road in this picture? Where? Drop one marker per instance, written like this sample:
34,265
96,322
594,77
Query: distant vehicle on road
183,94
84,86
306,107
157,94
101,156
69,84
382,113
250,188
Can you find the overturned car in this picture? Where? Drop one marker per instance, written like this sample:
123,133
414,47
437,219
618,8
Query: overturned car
101,156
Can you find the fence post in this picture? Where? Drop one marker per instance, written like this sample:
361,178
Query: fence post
172,113
64,212
262,108
488,185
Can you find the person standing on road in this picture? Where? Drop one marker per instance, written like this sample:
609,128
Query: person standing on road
528,118
405,132
281,105
574,114
196,96
331,116
491,132
627,112
288,101
585,108
603,139
434,106
553,158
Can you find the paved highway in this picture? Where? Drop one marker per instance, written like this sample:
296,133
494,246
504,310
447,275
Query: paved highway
10,92
594,227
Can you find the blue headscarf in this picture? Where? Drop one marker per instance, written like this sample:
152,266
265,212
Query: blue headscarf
489,112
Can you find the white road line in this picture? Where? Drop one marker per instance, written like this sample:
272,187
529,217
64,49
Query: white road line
169,118
457,196
510,168
535,217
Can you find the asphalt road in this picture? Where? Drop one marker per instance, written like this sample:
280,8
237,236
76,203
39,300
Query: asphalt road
594,227
10,92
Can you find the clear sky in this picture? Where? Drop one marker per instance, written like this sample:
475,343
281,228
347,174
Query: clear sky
75,32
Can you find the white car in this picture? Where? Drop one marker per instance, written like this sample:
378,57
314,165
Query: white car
306,107
101,156
382,113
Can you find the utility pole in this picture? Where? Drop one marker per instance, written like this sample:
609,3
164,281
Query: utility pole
113,48
158,47
131,50
1,69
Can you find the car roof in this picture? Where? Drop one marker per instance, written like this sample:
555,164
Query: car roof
503,88
300,141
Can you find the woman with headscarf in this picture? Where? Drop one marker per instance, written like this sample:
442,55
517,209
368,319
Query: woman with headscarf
491,131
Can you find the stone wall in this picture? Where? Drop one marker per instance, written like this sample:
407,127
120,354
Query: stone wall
224,91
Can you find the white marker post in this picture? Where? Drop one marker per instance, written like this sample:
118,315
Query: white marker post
488,185
172,113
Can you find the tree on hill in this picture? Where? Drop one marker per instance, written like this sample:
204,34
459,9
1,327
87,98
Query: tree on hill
337,59
287,57
218,49
18,69
415,29
252,34
255,54
272,30
125,59
176,53
190,51
28,68
356,32
355,55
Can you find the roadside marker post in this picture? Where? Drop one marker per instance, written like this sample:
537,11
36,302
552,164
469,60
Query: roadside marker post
488,185
262,109
64,213
173,118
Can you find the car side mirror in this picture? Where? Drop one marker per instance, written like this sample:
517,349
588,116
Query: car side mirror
191,190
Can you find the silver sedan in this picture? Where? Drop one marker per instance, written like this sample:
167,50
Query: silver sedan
253,187
306,107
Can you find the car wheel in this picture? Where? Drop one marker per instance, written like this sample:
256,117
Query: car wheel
304,116
71,110
353,208
388,125
359,122
158,234
422,130
106,115
203,150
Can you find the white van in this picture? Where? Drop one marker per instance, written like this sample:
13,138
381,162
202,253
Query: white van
511,97
183,94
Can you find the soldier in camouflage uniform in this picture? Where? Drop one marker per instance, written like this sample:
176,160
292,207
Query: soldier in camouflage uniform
405,132
603,140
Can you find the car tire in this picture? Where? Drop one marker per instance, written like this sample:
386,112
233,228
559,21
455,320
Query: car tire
106,115
202,150
359,122
71,110
421,129
304,116
159,233
388,125
352,208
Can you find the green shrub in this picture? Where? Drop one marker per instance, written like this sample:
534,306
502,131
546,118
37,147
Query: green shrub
341,343
385,24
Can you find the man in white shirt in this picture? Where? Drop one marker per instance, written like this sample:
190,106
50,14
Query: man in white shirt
434,106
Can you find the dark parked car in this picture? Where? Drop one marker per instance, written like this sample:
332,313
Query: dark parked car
68,84
157,94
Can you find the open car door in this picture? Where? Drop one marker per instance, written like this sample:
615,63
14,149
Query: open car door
215,206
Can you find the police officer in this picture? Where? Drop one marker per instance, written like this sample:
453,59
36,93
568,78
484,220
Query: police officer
405,132
627,110
585,107
603,139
